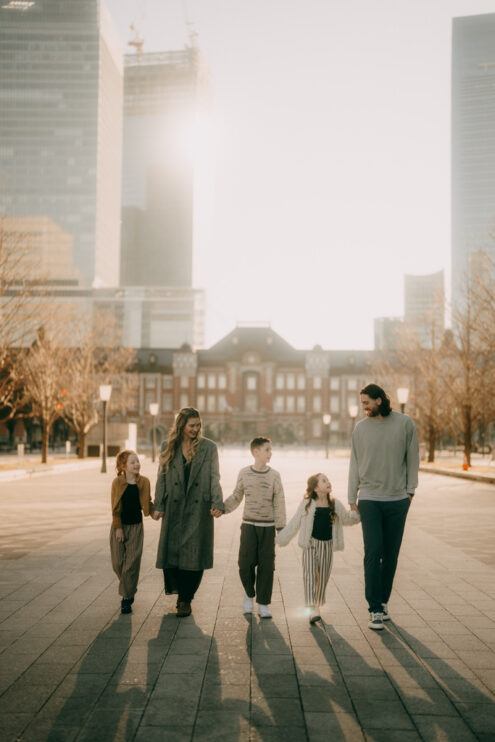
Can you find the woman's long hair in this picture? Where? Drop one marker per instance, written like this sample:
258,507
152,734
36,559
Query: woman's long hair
310,494
175,437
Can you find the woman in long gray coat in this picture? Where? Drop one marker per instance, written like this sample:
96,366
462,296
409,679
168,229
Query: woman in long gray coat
187,488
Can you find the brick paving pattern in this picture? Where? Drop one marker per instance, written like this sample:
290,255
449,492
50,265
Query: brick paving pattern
73,668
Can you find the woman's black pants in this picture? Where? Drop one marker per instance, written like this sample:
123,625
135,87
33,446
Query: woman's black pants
185,582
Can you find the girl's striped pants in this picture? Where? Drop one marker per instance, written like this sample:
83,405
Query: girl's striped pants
317,565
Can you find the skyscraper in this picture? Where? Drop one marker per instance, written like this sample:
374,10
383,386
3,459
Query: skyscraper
163,96
473,141
61,125
424,307
43,249
387,332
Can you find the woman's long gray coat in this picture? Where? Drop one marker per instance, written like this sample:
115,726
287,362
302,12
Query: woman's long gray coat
186,537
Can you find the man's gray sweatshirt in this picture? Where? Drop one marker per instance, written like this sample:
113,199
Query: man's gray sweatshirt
384,457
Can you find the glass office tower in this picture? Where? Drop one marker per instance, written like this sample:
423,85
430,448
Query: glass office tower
473,142
61,91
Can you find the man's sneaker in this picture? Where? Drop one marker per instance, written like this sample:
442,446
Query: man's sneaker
247,605
264,611
386,614
376,621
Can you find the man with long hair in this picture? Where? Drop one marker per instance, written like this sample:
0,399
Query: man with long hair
384,470
187,488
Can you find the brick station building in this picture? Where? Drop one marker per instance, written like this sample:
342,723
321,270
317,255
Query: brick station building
252,381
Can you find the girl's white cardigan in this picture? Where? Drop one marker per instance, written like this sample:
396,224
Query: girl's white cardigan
303,520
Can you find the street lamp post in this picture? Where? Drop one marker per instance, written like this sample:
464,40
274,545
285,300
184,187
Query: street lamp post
105,394
402,396
327,419
153,413
482,435
353,413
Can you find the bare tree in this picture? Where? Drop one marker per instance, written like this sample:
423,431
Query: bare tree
418,361
45,366
23,304
96,359
468,361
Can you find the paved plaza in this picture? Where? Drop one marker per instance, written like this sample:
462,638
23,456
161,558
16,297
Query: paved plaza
72,668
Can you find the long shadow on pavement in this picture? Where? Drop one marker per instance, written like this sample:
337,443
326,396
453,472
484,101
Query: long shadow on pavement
299,690
396,692
224,705
453,700
276,712
103,700
91,699
172,708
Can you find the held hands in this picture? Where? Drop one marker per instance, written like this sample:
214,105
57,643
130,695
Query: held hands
157,515
216,513
354,507
119,534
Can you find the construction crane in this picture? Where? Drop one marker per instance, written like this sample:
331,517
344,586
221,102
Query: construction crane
137,41
191,29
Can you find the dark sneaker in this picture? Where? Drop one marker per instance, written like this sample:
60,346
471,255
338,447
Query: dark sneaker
386,614
183,609
125,606
376,621
314,616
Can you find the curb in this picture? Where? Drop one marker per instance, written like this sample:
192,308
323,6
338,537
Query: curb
14,474
486,478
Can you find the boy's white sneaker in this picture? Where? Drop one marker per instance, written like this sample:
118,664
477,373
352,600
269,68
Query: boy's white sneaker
247,605
385,613
264,611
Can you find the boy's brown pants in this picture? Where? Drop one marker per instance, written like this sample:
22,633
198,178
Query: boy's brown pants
257,561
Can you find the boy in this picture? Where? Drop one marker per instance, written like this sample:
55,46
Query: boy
264,512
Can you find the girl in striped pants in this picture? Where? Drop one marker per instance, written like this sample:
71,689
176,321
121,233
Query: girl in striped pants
319,520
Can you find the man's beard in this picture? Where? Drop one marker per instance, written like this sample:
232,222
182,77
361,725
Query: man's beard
374,413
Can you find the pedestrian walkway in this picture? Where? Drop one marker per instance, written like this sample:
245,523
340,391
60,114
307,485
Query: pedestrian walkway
72,668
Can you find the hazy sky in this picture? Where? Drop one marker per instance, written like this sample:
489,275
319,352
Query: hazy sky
332,129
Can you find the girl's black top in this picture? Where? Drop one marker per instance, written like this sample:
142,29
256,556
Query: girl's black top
322,524
131,506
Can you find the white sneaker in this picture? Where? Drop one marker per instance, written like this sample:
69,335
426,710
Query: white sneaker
376,621
264,611
247,605
386,614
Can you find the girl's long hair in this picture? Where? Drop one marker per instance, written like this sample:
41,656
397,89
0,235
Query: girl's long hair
310,494
175,437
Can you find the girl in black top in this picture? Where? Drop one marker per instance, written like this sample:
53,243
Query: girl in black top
319,520
130,498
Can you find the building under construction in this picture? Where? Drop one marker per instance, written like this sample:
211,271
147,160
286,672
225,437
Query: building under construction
164,93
